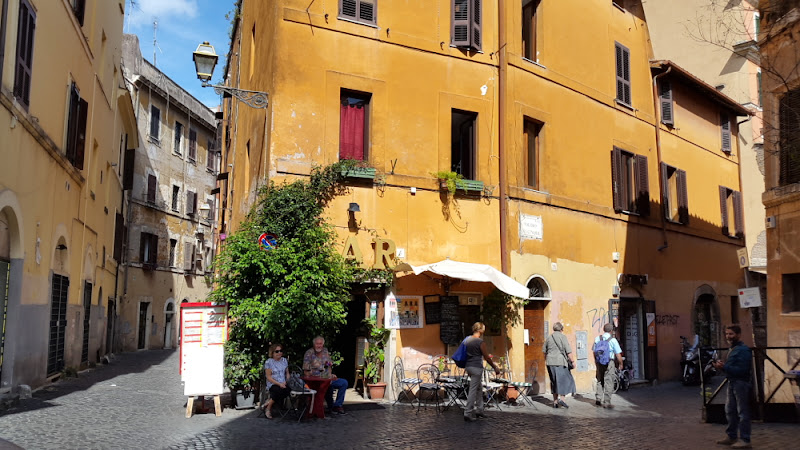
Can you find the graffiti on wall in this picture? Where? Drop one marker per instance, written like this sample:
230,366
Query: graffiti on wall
598,318
669,320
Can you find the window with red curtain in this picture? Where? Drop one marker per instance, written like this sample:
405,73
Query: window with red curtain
353,126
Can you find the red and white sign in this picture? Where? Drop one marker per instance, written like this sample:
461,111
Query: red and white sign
204,330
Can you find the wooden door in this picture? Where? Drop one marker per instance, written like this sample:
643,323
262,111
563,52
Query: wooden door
535,368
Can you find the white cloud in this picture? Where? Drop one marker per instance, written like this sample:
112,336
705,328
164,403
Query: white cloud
165,11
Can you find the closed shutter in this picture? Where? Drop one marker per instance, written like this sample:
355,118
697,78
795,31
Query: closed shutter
155,122
71,147
723,207
725,125
192,145
737,214
623,56
459,27
119,231
24,63
642,186
666,103
188,256
144,241
683,198
191,203
127,174
476,24
348,8
616,175
83,108
151,189
664,172
366,11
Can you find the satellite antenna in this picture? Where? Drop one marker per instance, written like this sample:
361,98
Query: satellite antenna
155,41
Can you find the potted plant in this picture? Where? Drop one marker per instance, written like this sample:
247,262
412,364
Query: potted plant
242,374
358,169
448,180
373,360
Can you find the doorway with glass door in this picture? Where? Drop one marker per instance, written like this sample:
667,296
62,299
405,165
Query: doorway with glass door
629,317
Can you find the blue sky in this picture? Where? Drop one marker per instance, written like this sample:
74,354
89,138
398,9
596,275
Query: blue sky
182,26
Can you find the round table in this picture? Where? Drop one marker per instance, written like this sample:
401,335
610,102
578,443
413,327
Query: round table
320,385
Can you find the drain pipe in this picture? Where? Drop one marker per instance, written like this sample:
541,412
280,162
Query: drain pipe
657,110
501,139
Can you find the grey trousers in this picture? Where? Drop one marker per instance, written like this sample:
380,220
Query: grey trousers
475,396
605,383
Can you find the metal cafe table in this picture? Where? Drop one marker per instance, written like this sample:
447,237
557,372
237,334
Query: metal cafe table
320,385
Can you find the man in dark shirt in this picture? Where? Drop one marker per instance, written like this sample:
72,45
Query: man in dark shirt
738,372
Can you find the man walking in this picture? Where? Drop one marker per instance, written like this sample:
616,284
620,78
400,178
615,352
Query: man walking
738,372
607,354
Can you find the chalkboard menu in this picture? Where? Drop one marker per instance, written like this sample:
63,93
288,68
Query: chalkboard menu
433,313
450,325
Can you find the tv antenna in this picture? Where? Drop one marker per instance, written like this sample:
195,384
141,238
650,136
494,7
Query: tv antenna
155,41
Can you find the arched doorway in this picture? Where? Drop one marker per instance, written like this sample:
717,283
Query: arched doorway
169,315
5,276
705,316
11,262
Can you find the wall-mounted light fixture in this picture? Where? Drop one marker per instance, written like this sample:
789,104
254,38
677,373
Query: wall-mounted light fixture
351,212
205,58
354,208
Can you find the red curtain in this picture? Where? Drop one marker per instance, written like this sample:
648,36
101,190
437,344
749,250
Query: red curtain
351,132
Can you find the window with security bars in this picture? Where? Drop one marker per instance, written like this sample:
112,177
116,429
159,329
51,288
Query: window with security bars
676,198
730,203
363,11
465,26
623,67
630,183
789,151
538,288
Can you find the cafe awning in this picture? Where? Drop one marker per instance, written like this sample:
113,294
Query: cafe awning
470,272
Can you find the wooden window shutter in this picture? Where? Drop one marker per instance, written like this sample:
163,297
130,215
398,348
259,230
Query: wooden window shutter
144,240
71,147
151,189
616,179
119,231
623,56
188,256
642,186
127,175
192,144
683,198
366,11
153,249
664,173
476,24
725,125
460,23
738,214
189,203
24,64
155,122
665,95
83,109
348,8
723,206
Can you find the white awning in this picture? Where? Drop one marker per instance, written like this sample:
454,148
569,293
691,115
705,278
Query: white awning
470,272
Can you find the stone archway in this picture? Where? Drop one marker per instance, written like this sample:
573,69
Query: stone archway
705,316
11,263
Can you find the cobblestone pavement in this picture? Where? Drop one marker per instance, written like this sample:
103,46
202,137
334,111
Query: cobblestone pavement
137,402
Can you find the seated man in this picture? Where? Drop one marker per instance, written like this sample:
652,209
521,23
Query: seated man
317,363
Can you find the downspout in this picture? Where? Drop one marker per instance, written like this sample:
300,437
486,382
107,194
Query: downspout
657,109
501,160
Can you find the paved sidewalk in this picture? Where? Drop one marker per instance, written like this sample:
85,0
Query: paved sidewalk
137,402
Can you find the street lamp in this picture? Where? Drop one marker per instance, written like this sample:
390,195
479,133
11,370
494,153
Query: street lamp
205,58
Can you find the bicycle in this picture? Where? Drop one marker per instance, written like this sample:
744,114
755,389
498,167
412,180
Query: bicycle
624,376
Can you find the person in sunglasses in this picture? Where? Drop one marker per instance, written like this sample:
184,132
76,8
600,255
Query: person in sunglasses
277,371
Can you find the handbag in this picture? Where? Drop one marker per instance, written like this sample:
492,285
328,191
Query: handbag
460,356
296,383
570,365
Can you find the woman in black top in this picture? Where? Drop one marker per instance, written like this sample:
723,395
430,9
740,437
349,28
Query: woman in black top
476,353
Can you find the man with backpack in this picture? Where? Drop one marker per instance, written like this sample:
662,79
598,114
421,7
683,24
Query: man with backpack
607,354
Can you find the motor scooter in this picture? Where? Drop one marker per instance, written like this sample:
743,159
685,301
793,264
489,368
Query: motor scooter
695,359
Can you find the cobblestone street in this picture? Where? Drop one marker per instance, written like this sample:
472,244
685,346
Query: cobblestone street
137,402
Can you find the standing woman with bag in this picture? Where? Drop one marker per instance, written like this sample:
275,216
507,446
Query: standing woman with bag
476,353
558,357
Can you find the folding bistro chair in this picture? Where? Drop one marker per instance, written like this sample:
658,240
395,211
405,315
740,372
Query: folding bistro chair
299,400
429,387
405,385
491,388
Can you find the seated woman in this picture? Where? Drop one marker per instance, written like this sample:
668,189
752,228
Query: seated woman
277,370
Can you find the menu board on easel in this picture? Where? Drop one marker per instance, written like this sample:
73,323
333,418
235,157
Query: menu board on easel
204,330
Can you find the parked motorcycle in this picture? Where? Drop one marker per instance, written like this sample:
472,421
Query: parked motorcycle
694,359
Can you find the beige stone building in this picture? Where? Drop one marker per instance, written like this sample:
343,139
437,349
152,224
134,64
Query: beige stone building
716,42
66,117
170,237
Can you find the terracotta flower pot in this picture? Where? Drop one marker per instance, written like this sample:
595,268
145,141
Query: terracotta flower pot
376,390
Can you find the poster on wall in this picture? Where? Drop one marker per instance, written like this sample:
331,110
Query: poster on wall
391,317
204,330
409,311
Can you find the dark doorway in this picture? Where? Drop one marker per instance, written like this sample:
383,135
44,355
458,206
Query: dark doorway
87,310
112,312
143,310
706,320
58,324
535,368
347,341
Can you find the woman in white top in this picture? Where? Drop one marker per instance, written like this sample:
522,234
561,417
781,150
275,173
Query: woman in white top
277,370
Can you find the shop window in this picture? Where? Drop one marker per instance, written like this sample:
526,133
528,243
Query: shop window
76,128
730,202
630,181
465,28
676,207
725,130
623,67
789,153
178,137
354,125
148,250
531,146
23,68
362,11
530,49
463,143
790,284
155,123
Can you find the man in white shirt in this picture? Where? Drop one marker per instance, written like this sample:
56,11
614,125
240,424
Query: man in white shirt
606,359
